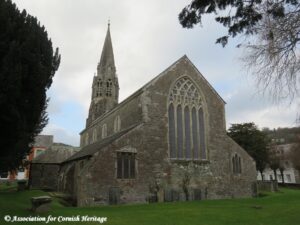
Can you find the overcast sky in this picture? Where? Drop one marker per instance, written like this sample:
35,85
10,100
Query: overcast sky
147,38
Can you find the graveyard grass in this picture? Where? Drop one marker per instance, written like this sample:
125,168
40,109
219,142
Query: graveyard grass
281,208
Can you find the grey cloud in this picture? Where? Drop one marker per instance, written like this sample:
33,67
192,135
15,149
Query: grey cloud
147,38
62,135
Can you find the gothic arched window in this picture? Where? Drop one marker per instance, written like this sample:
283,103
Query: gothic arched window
117,124
109,87
236,164
186,121
98,88
94,135
87,139
104,131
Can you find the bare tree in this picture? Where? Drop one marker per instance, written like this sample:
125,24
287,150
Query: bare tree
273,55
274,159
282,167
295,156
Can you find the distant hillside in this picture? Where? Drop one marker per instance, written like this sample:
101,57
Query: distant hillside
283,135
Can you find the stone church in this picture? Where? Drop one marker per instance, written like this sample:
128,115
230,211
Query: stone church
165,142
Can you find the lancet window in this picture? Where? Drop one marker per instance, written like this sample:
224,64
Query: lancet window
117,124
236,164
104,131
109,87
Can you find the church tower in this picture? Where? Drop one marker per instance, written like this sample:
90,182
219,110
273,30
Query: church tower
105,88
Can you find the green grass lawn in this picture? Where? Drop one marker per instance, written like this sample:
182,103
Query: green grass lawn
281,208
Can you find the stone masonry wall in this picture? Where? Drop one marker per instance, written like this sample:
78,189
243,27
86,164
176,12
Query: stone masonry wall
45,176
130,114
157,177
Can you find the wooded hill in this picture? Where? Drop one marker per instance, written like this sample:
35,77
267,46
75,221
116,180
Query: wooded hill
283,135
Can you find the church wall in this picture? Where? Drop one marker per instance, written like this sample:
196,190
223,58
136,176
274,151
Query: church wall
43,176
67,182
100,173
129,113
213,176
242,183
157,177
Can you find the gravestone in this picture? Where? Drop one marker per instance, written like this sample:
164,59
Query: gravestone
22,185
41,204
114,195
197,194
168,195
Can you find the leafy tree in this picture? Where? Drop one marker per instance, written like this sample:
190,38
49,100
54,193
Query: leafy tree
283,135
254,141
272,38
239,16
27,66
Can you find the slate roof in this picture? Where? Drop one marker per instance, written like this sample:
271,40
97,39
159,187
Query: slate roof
107,55
91,149
56,154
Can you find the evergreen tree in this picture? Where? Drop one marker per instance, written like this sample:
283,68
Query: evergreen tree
254,141
27,66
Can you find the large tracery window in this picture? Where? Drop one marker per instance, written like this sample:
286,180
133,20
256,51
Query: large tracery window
186,121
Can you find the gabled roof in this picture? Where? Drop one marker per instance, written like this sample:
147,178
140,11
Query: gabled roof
91,149
139,91
173,65
56,154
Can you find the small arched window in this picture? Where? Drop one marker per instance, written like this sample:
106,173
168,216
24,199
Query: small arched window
236,164
109,88
117,124
87,139
104,131
94,135
186,121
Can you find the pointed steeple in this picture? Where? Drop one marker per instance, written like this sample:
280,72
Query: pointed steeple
105,87
107,62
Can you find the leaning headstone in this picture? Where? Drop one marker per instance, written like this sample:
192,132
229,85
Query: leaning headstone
41,204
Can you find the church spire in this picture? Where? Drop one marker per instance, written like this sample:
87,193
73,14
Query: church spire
107,62
105,88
